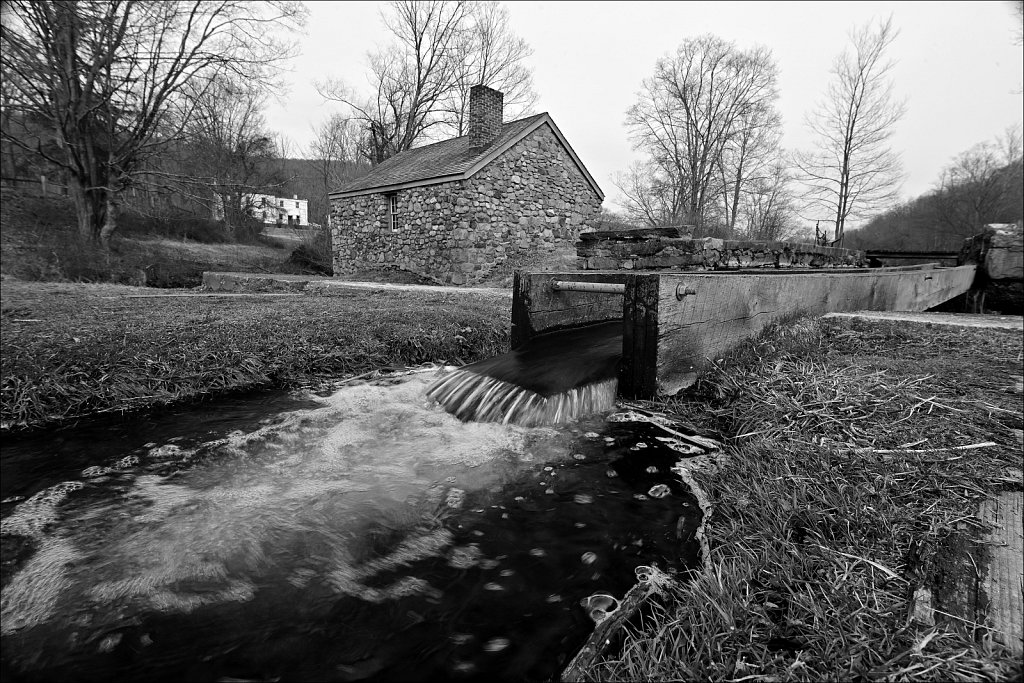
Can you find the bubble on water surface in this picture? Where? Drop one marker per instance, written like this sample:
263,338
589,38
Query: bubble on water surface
658,491
680,446
110,642
600,606
455,498
165,452
95,471
463,668
496,644
126,462
32,516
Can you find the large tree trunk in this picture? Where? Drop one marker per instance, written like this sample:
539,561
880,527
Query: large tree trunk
91,205
110,220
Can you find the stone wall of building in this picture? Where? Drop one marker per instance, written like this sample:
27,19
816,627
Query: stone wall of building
663,249
530,201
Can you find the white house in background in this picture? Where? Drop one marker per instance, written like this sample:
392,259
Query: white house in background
278,210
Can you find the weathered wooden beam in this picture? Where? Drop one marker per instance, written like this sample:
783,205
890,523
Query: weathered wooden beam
702,316
673,324
537,307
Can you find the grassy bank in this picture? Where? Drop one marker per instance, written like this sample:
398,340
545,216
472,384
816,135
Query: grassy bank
841,497
39,241
74,350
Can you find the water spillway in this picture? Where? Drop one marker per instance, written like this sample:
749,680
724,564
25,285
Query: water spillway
552,378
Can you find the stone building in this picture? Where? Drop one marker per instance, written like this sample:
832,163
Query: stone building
455,210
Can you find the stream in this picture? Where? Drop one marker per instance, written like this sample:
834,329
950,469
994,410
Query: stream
361,535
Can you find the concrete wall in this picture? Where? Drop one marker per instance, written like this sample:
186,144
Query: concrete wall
531,200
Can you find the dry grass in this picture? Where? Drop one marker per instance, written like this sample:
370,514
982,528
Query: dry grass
70,351
843,493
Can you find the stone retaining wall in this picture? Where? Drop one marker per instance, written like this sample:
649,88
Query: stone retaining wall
664,249
999,253
530,201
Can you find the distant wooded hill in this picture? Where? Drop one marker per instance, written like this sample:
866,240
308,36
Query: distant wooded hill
972,193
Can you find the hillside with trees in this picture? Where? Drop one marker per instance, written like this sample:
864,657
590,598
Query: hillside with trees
983,185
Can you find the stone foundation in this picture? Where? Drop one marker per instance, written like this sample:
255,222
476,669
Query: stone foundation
666,249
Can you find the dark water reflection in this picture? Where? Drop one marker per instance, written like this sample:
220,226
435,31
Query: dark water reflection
370,538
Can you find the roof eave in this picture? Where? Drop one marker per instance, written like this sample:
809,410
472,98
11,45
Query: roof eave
394,187
491,156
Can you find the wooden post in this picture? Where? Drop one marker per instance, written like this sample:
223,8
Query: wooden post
637,375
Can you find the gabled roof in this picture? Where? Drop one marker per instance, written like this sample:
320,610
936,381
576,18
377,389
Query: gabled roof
451,160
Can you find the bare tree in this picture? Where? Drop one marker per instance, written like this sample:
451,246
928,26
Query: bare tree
421,82
413,79
228,149
853,171
334,150
107,80
746,161
652,195
768,204
695,106
981,186
489,53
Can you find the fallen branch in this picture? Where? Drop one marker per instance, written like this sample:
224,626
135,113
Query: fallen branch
600,639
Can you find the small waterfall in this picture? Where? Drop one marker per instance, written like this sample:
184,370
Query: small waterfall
553,378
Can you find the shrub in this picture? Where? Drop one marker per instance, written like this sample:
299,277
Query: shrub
313,255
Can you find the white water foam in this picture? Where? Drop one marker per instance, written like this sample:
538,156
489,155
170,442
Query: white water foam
301,499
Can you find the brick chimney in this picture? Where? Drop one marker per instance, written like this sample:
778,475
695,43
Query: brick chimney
485,114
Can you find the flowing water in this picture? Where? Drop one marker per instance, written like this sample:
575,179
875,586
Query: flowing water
552,378
363,535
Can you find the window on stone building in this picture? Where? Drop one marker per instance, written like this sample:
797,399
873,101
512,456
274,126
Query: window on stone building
393,204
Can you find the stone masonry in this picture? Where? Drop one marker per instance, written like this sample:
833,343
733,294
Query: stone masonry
530,200
667,249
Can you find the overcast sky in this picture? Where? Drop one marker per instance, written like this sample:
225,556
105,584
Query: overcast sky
958,67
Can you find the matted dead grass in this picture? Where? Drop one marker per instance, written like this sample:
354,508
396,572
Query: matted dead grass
69,351
844,539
